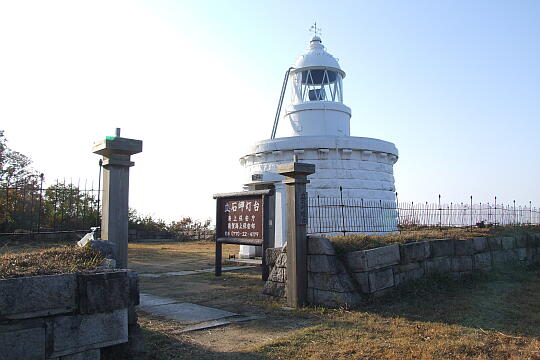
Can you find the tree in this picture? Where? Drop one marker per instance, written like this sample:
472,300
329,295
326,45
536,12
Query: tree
14,166
67,207
19,189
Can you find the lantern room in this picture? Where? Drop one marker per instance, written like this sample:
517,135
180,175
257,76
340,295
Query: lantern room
316,106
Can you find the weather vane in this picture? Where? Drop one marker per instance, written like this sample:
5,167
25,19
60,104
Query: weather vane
314,29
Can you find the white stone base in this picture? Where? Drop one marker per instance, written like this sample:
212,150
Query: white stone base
249,252
361,167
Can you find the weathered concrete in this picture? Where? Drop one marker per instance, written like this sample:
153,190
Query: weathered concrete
148,300
22,341
116,152
78,333
320,246
322,264
272,255
295,181
416,251
374,258
521,254
522,240
188,313
94,354
278,275
482,261
357,261
333,298
406,274
106,248
499,257
442,247
216,323
281,261
462,264
184,312
103,292
29,297
133,281
438,265
494,243
480,244
330,282
381,279
275,289
507,243
193,272
66,316
463,247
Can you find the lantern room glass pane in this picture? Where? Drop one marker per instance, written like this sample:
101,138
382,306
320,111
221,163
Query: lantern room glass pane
317,85
318,76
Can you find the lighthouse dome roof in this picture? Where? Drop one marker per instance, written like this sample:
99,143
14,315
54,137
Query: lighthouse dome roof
317,56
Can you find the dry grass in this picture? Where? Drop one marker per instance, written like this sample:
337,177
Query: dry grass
494,317
353,242
17,244
487,317
175,256
50,261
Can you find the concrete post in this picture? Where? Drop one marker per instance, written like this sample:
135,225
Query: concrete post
116,152
280,215
297,215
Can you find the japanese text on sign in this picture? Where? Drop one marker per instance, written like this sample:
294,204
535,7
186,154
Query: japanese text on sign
241,218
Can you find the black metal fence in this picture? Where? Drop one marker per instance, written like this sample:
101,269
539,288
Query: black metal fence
354,215
62,206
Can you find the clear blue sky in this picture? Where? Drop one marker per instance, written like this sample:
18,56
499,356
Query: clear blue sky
454,84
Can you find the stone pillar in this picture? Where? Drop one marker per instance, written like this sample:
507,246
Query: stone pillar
297,215
280,215
116,152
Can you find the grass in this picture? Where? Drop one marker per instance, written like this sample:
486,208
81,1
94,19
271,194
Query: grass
50,261
353,242
493,316
486,317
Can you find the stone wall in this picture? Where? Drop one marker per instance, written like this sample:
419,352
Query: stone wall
376,271
69,316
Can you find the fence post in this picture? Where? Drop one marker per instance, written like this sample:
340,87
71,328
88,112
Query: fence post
297,214
41,177
495,213
440,213
515,220
116,152
471,214
99,188
342,210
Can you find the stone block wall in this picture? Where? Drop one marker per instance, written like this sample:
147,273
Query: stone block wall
376,271
67,316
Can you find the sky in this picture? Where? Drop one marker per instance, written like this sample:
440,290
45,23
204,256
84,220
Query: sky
455,85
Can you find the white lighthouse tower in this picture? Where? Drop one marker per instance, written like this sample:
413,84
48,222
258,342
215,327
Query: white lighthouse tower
318,125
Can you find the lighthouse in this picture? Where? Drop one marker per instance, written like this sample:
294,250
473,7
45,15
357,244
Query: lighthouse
317,123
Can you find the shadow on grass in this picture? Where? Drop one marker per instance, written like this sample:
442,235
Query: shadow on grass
160,346
506,300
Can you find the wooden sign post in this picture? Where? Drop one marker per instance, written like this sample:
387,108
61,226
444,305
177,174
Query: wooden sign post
297,217
242,218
